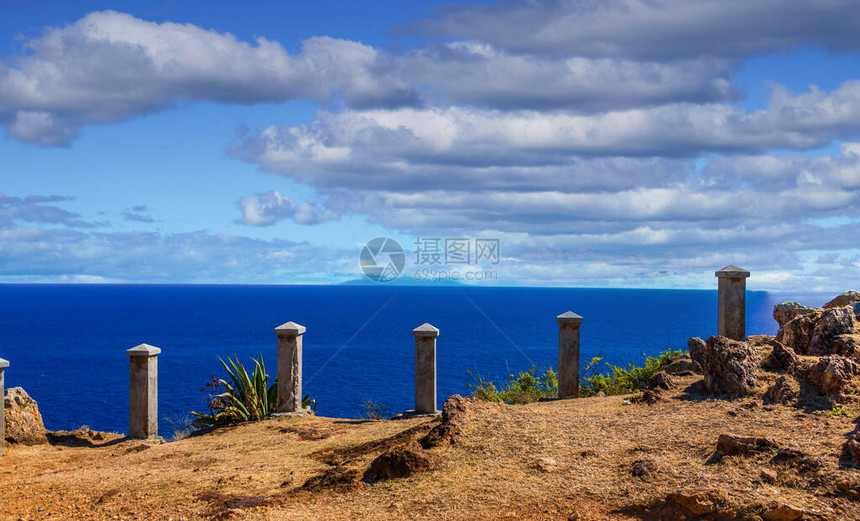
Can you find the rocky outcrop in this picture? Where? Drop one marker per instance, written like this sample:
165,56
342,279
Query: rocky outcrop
732,444
851,449
697,504
784,391
455,414
833,324
797,332
696,346
820,331
846,299
402,462
23,421
781,358
785,312
660,380
832,375
730,366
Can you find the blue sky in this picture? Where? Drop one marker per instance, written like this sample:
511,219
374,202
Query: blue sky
623,143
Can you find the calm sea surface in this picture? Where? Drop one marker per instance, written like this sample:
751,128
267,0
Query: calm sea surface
66,344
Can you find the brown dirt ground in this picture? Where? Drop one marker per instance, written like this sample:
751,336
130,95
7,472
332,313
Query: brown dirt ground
490,473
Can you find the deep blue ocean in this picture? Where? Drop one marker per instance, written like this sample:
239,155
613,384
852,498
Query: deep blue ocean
66,344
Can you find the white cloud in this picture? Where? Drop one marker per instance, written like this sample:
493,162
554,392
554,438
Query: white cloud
270,207
653,28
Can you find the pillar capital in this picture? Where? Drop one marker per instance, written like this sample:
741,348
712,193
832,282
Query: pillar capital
143,350
4,363
569,317
426,329
733,272
290,329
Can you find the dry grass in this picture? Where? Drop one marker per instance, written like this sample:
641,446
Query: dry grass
491,473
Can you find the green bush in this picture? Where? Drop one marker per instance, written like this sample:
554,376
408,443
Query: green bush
526,387
532,385
623,380
248,397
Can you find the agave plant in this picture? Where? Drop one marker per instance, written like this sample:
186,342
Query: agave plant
248,397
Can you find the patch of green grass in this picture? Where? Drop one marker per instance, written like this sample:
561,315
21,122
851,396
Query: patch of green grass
834,413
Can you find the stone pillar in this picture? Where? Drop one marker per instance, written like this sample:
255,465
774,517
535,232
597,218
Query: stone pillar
3,365
731,315
143,392
568,354
425,368
289,367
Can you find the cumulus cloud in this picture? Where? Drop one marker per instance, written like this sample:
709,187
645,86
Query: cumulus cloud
652,29
111,66
270,207
476,73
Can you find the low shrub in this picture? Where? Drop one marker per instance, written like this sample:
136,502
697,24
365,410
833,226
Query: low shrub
535,384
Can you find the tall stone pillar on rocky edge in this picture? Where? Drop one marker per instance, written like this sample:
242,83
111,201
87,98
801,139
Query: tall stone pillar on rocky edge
425,368
731,314
143,392
3,365
568,354
290,367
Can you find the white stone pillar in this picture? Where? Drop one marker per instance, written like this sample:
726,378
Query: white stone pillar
143,392
731,314
568,354
425,368
3,365
289,367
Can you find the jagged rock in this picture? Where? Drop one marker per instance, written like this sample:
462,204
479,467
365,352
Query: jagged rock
797,333
730,366
783,512
731,444
402,462
683,365
846,299
781,358
455,414
760,340
833,323
23,421
660,380
785,391
832,374
696,346
687,505
768,476
851,449
784,312
650,396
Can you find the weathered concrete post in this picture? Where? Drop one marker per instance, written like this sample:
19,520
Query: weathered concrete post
732,289
143,392
3,365
425,368
568,354
289,367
